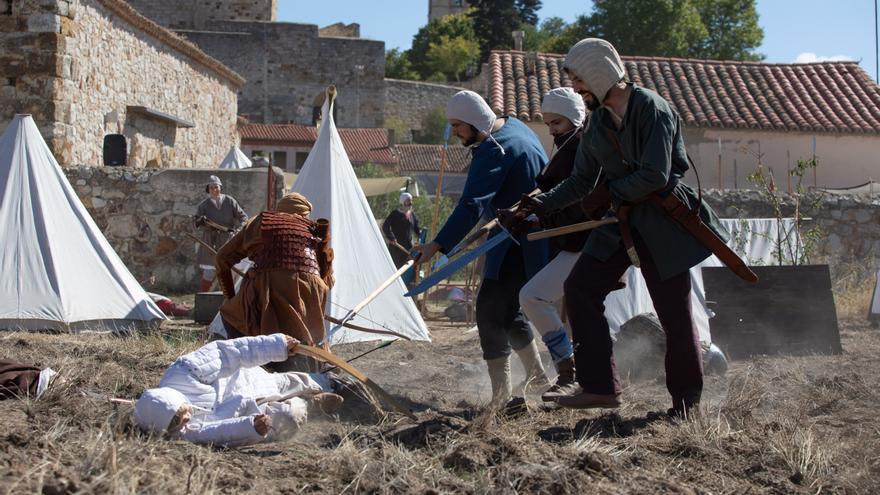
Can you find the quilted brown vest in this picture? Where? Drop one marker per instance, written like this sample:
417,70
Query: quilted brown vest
288,244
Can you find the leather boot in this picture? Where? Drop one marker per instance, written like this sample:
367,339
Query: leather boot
566,383
534,368
499,376
206,285
586,400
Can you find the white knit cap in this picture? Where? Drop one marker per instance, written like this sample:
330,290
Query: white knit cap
471,108
405,196
214,180
565,102
156,408
597,63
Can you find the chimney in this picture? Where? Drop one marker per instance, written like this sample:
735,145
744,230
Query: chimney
392,137
518,40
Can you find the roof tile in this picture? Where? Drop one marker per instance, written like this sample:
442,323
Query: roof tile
835,97
426,158
361,145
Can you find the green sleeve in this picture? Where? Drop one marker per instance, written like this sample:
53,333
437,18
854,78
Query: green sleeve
655,160
578,185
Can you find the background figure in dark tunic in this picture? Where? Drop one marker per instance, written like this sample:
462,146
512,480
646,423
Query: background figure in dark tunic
220,209
399,228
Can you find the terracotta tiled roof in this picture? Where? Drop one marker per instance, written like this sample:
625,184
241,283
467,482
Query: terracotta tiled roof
361,145
426,158
834,97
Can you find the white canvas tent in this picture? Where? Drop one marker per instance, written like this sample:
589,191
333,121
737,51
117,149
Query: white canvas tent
362,260
235,159
58,270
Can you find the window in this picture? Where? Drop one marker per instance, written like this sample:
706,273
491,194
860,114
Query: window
301,157
456,3
279,159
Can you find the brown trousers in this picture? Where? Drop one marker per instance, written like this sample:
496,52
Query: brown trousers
586,288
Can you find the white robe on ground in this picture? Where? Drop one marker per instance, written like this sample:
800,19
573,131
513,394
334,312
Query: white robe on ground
223,381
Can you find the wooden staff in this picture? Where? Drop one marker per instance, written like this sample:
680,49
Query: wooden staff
372,295
212,251
570,229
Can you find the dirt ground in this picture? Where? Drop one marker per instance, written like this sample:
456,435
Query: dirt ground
771,425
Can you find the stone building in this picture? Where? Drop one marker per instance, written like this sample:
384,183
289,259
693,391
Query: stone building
439,8
86,68
288,66
741,114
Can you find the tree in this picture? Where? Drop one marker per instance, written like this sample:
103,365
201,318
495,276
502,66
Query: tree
543,38
398,66
496,20
451,56
720,29
648,27
733,30
451,26
433,126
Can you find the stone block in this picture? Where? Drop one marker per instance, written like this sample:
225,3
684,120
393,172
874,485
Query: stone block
98,202
863,216
122,226
44,23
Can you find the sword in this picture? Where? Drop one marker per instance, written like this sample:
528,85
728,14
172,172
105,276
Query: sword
491,224
453,266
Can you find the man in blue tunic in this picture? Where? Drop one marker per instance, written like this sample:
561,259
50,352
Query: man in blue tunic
634,138
507,157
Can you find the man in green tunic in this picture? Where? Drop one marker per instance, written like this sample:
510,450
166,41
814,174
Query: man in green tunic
635,138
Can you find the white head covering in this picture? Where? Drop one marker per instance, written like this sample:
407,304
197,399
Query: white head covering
565,102
214,180
405,196
156,408
597,63
470,107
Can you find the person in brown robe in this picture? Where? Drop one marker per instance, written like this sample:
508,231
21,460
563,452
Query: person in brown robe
287,288
19,380
219,210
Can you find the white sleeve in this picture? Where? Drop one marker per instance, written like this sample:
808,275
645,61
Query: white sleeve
232,432
222,358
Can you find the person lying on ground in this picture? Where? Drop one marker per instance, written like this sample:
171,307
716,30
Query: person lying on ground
220,395
19,380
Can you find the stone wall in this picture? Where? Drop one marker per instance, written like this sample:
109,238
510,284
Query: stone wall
288,67
192,14
31,36
78,66
850,225
411,100
145,213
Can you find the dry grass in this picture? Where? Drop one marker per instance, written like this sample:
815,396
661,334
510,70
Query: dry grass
773,425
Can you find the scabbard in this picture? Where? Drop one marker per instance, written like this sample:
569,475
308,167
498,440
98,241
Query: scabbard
626,235
691,222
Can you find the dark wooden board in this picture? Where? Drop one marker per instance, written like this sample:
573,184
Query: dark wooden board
789,311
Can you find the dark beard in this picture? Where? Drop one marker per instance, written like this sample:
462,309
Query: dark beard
562,138
469,142
593,104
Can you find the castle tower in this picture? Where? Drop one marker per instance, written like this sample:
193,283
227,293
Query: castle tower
439,8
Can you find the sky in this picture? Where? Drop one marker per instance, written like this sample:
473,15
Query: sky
794,30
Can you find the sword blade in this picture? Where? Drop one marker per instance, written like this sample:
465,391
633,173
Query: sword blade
455,265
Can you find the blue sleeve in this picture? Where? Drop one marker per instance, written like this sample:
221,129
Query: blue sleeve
484,179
